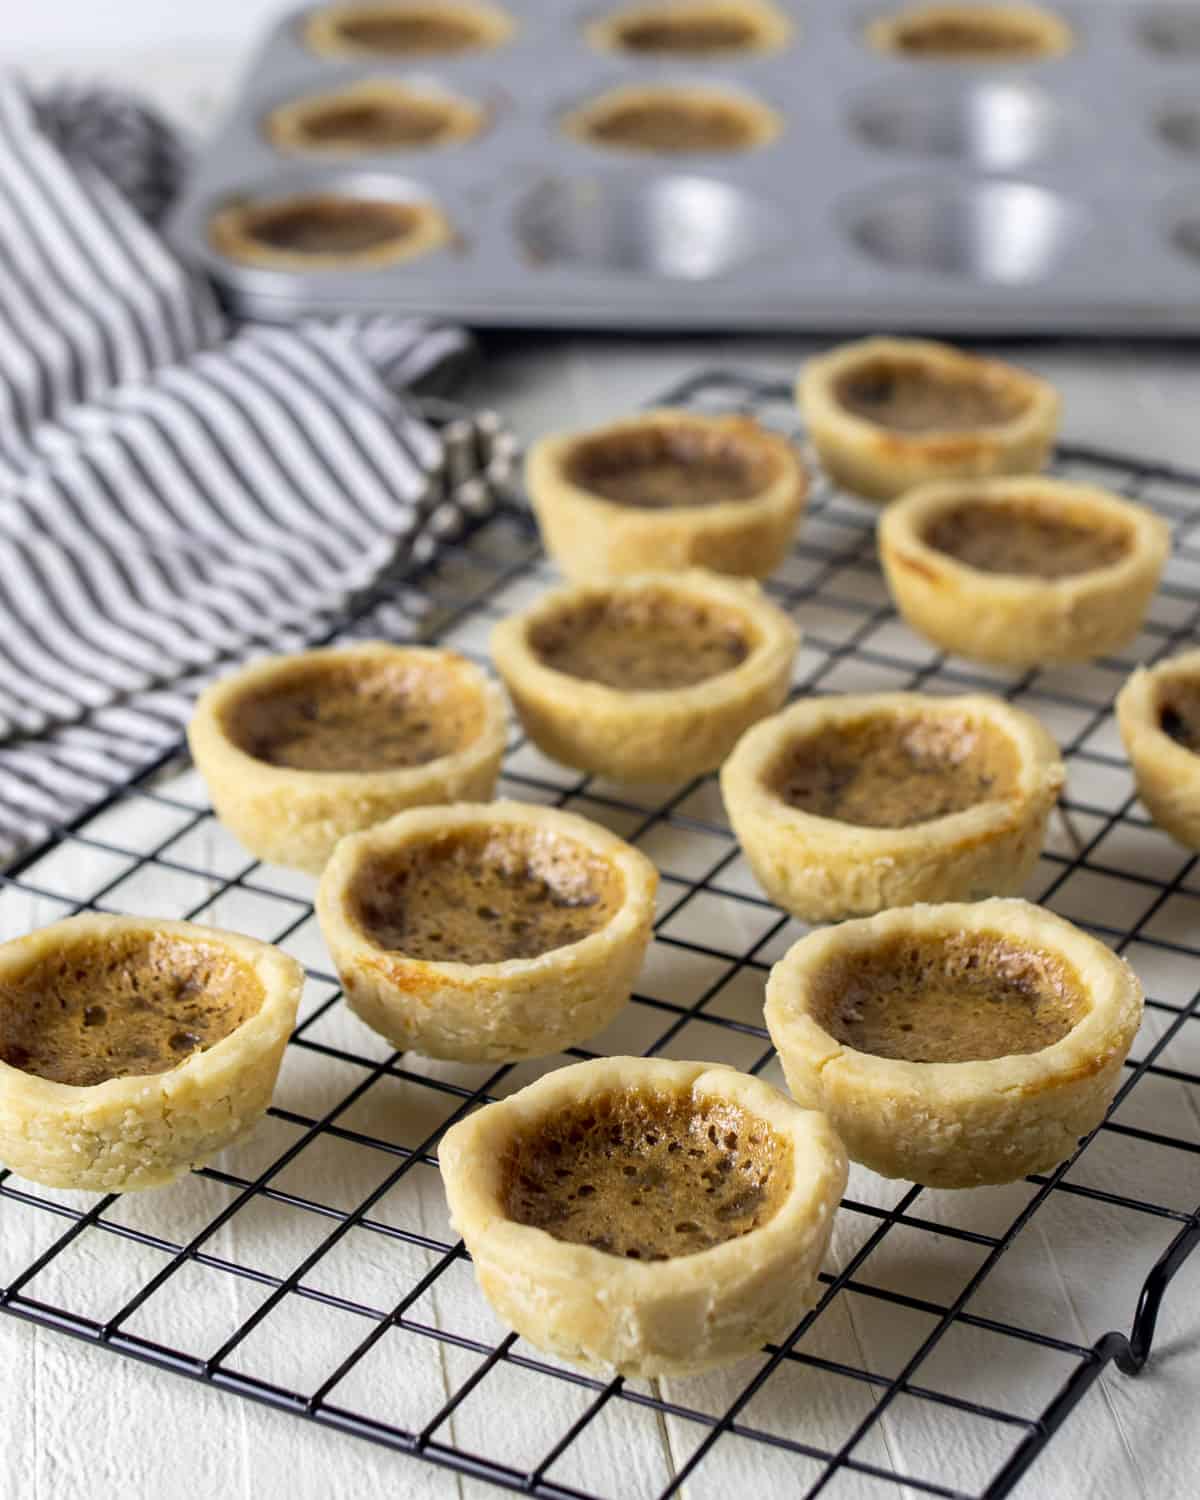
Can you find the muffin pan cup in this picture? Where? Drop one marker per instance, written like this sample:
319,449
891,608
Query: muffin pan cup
954,197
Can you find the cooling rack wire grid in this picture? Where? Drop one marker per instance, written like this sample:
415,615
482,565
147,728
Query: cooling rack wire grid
313,1267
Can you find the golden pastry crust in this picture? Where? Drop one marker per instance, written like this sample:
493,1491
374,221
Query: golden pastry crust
407,28
887,414
136,1127
971,33
443,728
1084,566
673,1316
817,798
327,232
527,1006
370,116
952,1124
674,120
591,534
647,733
1158,711
692,29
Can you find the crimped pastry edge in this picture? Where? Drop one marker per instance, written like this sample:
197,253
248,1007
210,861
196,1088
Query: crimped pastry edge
1167,773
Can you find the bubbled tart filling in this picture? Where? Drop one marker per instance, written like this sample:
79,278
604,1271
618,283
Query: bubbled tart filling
647,641
326,224
912,396
1028,538
893,772
1179,713
963,997
648,1176
344,716
485,895
985,33
127,1006
411,30
675,123
662,467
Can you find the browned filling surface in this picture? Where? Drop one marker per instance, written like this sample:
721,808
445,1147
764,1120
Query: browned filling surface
661,468
1179,713
1032,537
485,895
912,396
648,1176
387,121
123,1007
325,224
412,30
891,772
648,641
674,122
366,716
991,35
964,997
702,32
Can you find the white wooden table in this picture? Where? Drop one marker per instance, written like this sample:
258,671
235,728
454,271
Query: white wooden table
83,1425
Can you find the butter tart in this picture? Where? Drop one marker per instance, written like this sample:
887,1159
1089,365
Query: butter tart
373,115
298,750
887,414
971,33
487,933
846,806
1158,711
673,120
648,678
1022,572
327,231
133,1050
667,489
955,1045
407,28
659,1218
694,29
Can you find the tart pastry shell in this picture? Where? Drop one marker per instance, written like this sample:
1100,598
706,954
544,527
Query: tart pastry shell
677,1316
1167,773
295,817
766,28
1035,33
669,735
146,1130
958,1124
753,124
592,537
518,1008
821,869
288,126
231,232
325,33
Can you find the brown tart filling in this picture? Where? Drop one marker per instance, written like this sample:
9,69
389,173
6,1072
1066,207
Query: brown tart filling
692,28
913,396
329,229
407,28
1015,536
673,121
378,116
662,467
976,33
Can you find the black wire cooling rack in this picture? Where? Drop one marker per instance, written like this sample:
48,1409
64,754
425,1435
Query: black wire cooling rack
956,1333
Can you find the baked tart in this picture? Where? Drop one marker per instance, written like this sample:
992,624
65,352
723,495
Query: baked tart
327,231
298,750
669,119
659,1218
667,489
846,806
134,1050
371,116
648,678
487,933
971,33
887,414
1158,711
1022,572
692,29
955,1045
407,28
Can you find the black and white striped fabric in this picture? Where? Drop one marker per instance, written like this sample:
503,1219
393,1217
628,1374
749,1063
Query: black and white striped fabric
174,494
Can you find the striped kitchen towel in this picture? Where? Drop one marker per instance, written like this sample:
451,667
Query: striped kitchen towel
175,494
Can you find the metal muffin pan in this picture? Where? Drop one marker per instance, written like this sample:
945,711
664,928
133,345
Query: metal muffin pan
1054,196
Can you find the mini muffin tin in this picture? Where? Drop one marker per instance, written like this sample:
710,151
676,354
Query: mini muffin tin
1061,195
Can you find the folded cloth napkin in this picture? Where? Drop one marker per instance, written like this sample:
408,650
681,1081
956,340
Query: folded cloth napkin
175,493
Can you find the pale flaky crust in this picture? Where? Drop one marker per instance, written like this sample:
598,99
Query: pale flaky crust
1167,773
592,537
670,1317
287,126
231,233
145,1131
957,1125
879,462
1015,620
293,817
668,735
771,30
1053,36
822,869
761,123
323,29
524,1007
